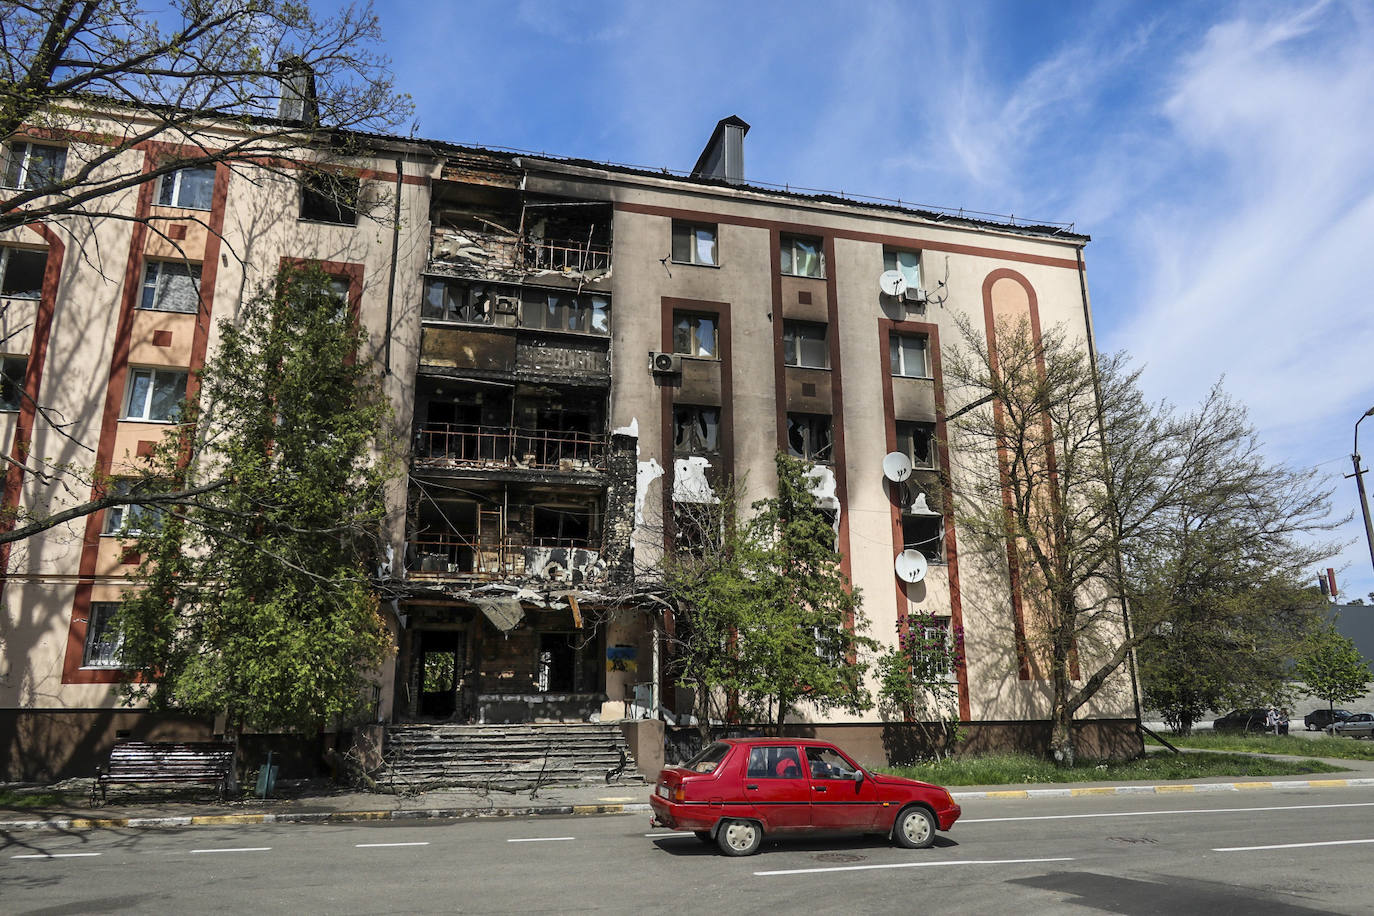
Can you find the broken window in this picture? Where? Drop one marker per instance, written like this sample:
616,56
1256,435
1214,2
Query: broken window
328,198
696,430
917,442
103,639
694,243
695,335
696,527
568,312
192,188
802,256
809,436
477,303
925,533
171,286
21,272
12,372
34,165
803,344
907,355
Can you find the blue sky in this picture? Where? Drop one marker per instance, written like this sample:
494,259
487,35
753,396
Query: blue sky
1221,155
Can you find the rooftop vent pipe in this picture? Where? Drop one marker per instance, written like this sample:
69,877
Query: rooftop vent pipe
723,156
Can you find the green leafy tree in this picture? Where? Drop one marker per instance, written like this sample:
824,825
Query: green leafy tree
916,679
766,618
1332,668
1095,500
256,601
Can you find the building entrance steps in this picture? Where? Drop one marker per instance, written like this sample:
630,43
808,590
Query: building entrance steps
506,757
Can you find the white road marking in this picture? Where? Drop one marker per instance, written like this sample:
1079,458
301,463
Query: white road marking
814,871
1291,845
1068,817
542,839
380,845
240,849
58,855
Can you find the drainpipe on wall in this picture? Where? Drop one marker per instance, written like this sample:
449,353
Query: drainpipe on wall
391,283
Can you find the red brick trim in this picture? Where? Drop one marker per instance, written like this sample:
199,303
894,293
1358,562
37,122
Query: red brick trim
887,327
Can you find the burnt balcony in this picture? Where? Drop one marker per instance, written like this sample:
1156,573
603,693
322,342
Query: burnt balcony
449,556
455,445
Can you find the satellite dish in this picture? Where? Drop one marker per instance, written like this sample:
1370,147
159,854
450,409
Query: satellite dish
896,467
892,282
911,566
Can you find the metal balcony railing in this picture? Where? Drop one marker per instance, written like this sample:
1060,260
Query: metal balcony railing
563,254
510,447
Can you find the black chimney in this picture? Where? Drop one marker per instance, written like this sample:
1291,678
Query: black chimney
298,101
724,153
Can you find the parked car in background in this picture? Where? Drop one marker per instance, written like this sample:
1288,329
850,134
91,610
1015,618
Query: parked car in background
736,791
1241,720
1319,719
1358,725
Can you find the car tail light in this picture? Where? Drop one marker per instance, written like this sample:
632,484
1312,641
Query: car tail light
680,793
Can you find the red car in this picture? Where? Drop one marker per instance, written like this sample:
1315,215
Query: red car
736,791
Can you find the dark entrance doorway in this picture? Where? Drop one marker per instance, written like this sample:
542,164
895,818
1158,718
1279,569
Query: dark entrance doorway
567,663
439,668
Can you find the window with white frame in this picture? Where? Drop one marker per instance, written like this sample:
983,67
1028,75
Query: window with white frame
917,442
171,286
804,344
802,256
132,519
21,272
34,165
12,372
192,188
104,641
908,263
567,312
695,335
907,355
694,243
155,394
809,436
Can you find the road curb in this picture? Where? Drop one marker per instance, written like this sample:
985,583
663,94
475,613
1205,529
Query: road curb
324,817
1167,788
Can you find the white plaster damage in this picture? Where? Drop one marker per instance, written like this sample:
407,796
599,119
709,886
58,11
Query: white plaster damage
823,488
689,481
646,472
631,430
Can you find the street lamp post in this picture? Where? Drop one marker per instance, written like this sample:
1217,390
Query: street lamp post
1359,484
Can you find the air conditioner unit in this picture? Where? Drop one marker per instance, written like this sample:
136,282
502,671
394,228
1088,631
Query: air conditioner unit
915,294
664,363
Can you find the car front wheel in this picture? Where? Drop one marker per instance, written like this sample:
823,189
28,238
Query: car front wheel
739,838
915,828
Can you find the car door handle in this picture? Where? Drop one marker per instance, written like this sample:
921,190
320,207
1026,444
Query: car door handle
750,786
819,788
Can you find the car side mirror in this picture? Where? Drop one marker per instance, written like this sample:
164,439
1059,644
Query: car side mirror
858,779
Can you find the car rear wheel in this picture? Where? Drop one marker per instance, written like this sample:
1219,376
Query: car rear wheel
739,838
915,828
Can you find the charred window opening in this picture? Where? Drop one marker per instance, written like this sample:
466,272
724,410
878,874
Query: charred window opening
328,198
588,314
696,430
917,442
925,533
567,236
809,437
562,526
697,528
473,303
21,272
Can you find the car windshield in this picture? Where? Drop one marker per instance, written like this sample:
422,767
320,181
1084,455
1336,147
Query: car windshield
708,758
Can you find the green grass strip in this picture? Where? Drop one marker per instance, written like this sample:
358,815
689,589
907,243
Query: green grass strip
1023,769
1342,748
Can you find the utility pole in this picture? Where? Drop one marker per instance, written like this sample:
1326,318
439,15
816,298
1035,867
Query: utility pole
1359,485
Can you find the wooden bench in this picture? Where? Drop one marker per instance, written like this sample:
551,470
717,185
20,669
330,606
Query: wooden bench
146,762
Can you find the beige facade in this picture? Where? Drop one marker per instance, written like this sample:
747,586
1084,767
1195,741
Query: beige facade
514,323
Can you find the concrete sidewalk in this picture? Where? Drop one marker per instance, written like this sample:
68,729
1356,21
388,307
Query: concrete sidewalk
314,803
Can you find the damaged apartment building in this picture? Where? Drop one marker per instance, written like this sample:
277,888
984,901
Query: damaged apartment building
577,354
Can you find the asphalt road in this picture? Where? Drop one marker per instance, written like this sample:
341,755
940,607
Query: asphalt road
1266,851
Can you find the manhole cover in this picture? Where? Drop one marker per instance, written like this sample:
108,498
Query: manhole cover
839,857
